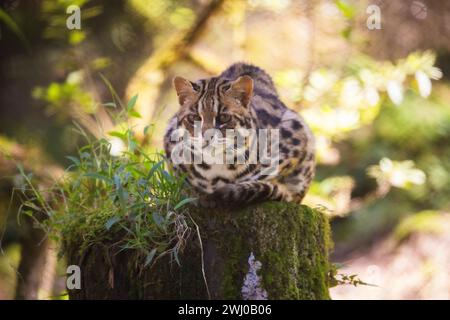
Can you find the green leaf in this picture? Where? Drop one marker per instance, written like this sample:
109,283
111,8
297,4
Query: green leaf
98,176
110,104
184,202
132,145
158,219
150,257
346,33
120,192
12,25
132,102
74,160
146,129
28,213
347,9
154,168
111,221
118,134
134,114
31,205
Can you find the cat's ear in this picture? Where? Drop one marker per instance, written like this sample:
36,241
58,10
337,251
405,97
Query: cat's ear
185,90
242,89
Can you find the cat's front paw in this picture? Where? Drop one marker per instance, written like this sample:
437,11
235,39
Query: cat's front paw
223,198
208,201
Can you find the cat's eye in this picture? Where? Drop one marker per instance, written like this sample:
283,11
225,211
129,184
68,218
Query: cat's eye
224,118
193,117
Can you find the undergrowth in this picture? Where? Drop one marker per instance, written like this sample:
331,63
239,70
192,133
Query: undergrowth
102,195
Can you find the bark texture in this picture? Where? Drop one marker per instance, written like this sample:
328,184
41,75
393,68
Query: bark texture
269,251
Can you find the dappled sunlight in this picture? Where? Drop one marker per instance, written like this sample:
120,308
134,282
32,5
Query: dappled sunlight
85,110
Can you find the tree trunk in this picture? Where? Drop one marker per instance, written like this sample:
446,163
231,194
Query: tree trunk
37,264
270,251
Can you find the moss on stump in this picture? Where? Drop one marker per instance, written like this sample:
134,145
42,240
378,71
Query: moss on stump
273,250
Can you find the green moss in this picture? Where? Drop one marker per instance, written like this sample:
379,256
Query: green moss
291,241
293,248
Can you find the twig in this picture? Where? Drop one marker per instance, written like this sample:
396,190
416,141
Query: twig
203,260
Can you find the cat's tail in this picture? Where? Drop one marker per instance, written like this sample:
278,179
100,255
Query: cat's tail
236,195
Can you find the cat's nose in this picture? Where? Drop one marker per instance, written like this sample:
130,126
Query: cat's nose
210,138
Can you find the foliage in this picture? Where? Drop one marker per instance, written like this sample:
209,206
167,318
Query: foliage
108,191
382,127
61,95
343,100
427,221
55,13
12,25
340,103
337,278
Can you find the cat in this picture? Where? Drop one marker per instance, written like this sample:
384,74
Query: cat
242,97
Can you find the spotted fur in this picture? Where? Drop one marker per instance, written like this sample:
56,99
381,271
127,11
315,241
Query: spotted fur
243,96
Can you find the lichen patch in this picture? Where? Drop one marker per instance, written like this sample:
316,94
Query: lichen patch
251,290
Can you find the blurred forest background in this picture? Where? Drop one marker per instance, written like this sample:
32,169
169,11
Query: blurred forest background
377,100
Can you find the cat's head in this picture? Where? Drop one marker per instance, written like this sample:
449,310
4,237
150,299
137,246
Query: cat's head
214,103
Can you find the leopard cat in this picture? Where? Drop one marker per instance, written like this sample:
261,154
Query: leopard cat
243,96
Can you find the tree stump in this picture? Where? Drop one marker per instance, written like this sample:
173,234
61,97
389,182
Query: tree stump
269,251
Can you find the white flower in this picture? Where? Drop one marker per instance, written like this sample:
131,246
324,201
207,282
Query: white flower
424,83
117,146
372,96
395,91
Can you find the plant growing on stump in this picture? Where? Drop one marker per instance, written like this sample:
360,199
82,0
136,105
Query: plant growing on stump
121,215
